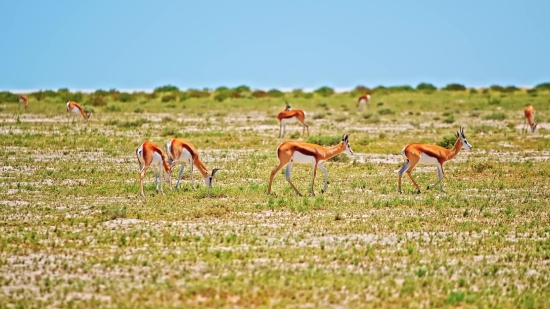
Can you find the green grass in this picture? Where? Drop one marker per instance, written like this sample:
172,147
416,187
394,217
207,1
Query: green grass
74,232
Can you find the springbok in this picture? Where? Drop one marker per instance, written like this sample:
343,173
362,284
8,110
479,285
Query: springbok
529,119
23,99
298,152
290,115
75,108
426,154
149,154
180,150
364,99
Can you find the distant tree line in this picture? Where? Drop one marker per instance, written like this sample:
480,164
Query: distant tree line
170,93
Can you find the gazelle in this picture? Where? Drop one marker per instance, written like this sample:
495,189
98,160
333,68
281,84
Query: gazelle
75,108
149,154
298,152
290,115
427,154
364,99
180,150
23,99
529,119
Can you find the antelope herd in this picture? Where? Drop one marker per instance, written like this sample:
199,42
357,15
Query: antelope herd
181,151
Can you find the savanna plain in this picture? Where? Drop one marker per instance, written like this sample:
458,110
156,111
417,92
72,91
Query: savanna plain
75,232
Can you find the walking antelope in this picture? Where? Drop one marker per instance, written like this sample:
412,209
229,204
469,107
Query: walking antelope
427,154
23,99
529,119
364,99
298,152
289,115
149,154
180,150
75,108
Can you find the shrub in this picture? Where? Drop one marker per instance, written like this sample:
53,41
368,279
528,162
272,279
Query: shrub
242,89
260,94
543,86
50,93
77,96
138,110
426,87
297,93
400,88
449,119
125,97
361,90
274,93
113,108
184,96
308,95
342,157
324,140
496,88
493,101
168,98
473,91
167,88
448,141
94,100
39,95
221,96
386,111
324,91
454,87
194,93
532,92
6,96
100,93
235,95
511,89
221,89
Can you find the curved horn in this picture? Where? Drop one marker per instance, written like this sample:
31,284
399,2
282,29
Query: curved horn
214,171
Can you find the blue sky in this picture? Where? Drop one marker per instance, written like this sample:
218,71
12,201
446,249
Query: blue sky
272,44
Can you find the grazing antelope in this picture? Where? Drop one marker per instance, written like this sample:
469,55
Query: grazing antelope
75,108
180,150
427,154
529,119
149,154
23,99
289,115
364,99
298,152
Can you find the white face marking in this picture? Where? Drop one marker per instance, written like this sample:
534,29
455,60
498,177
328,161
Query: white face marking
427,160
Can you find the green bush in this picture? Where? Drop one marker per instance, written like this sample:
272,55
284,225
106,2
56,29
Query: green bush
275,93
260,94
39,95
454,87
386,111
125,97
94,100
543,86
297,93
402,88
242,89
324,140
495,116
496,88
113,108
167,88
324,91
6,96
168,98
447,142
101,93
426,87
194,93
221,96
361,90
184,96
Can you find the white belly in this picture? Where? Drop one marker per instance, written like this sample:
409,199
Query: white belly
185,157
75,110
427,160
287,120
299,157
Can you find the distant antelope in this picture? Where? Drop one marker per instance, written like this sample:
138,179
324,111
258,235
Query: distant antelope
364,99
298,152
289,115
149,154
180,150
75,108
427,154
529,119
23,99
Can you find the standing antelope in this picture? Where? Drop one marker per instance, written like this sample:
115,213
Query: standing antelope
427,154
149,154
75,108
180,150
23,99
298,152
529,119
289,115
364,99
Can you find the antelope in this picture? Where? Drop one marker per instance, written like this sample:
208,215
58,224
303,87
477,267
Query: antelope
298,152
75,108
364,99
180,150
23,99
427,154
529,119
149,154
289,115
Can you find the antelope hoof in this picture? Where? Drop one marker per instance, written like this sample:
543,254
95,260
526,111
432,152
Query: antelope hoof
298,193
399,192
418,192
429,187
323,191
